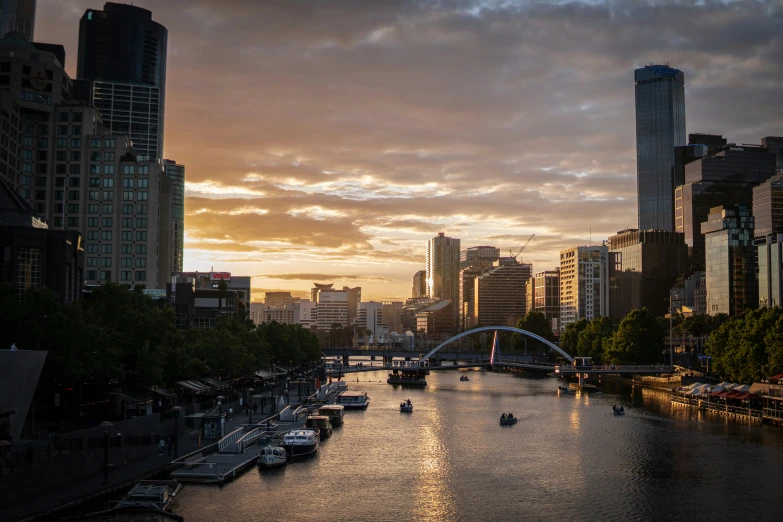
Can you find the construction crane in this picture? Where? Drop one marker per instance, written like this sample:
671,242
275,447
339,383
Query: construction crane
521,249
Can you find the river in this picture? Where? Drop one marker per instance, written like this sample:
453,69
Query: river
568,458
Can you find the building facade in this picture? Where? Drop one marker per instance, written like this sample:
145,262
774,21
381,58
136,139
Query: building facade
660,126
546,296
354,296
584,284
371,318
419,284
730,258
443,271
392,316
18,16
172,217
122,53
332,308
499,294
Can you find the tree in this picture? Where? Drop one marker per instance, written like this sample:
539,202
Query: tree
591,340
569,339
535,323
639,339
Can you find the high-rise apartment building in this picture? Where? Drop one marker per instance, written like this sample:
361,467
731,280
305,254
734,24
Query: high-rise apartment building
419,284
443,271
392,316
370,317
172,217
725,176
730,260
660,126
768,221
122,53
499,294
650,263
18,16
354,300
546,296
331,309
483,255
584,283
474,261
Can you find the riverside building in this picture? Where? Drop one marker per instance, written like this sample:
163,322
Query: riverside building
584,283
499,293
419,284
443,254
546,296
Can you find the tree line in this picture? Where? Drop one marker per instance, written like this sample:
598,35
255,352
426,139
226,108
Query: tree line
121,338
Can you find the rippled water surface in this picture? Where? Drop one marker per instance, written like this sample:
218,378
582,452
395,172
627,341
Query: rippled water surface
567,458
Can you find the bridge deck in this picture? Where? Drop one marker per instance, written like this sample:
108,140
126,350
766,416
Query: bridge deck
563,370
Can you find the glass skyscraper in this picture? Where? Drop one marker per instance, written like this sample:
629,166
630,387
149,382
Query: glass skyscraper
660,126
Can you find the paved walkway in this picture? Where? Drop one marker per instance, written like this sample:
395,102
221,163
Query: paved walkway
33,501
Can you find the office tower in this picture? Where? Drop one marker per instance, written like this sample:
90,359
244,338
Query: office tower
172,219
474,261
768,235
774,144
725,176
584,283
483,255
331,309
729,254
650,263
315,292
18,16
546,296
443,271
499,294
354,299
75,174
370,317
392,316
698,146
419,284
530,294
264,313
660,126
122,53
278,298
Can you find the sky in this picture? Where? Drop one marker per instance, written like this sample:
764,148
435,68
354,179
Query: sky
328,141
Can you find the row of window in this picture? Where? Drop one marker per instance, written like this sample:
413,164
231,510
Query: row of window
128,195
109,222
92,248
75,116
92,275
61,168
126,262
106,235
108,208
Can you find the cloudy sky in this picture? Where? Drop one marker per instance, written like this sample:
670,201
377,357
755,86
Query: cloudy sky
328,140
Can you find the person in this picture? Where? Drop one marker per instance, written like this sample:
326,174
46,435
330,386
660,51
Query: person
503,416
161,445
510,415
13,347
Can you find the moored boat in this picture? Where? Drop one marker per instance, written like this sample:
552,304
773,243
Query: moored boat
408,377
272,457
354,400
335,412
406,406
507,419
300,443
320,423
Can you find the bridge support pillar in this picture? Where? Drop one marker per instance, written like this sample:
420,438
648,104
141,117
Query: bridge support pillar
387,361
346,360
581,379
372,357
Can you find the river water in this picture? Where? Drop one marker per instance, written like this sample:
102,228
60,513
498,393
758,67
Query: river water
568,458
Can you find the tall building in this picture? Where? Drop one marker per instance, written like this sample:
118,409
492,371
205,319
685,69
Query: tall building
315,292
370,317
660,126
483,255
263,313
75,174
768,221
172,216
650,263
122,53
354,300
499,294
18,16
443,271
278,298
584,283
474,261
238,285
774,144
419,284
730,259
392,316
699,145
546,296
725,176
332,308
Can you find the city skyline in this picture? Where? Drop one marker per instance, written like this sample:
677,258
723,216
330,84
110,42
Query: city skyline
371,128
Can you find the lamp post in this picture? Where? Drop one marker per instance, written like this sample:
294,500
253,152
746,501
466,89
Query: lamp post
671,347
250,392
220,400
176,410
106,425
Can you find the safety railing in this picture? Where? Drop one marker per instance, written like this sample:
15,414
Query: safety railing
225,444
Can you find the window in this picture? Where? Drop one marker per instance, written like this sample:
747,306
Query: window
127,209
106,222
40,182
141,209
105,249
59,182
109,144
106,275
27,167
108,182
141,249
41,155
126,262
91,274
95,143
73,195
108,169
108,156
76,130
95,156
106,235
129,169
107,208
73,208
76,168
141,262
62,116
127,222
43,129
62,130
92,221
127,236
95,182
42,142
127,196
143,183
27,141
92,261
92,208
74,182
58,221
92,248
61,155
92,235
128,183
95,169
141,235
76,155
141,195
76,142
40,194
40,168
141,222
73,221
108,195
26,181
126,276
58,209
62,142
77,117
93,195
106,261
144,169
27,154
141,275
127,249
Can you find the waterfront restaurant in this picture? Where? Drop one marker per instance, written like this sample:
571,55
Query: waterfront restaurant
773,399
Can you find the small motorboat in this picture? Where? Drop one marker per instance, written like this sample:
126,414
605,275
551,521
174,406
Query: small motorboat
563,389
464,378
301,443
618,410
272,457
508,419
406,406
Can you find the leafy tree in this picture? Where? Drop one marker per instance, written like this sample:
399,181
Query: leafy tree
569,339
536,323
639,339
591,340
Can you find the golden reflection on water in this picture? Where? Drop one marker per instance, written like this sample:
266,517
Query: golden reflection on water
434,498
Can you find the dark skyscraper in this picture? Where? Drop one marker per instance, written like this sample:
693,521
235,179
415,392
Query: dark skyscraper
660,126
122,52
17,16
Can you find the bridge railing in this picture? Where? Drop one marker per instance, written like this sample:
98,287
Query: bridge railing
617,368
228,443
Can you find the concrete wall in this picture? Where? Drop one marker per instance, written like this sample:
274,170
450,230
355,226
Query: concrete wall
19,374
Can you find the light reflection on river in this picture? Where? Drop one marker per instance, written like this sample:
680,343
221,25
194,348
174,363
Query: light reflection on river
567,458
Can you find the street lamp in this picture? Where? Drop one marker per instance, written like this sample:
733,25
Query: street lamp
106,425
176,410
250,392
220,400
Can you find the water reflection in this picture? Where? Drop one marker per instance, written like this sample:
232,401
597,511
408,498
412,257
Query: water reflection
434,499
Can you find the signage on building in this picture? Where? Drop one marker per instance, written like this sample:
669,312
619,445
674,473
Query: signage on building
739,149
220,276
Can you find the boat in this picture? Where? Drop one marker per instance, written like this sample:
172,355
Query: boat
618,410
272,457
335,412
463,378
563,389
408,376
300,443
353,400
406,406
320,423
508,419
147,496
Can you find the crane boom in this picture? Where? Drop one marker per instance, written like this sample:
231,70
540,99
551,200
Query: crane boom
525,245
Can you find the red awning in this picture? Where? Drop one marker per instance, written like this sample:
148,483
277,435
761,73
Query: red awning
776,377
720,394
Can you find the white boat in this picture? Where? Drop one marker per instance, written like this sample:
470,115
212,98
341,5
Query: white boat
356,400
300,443
406,406
320,423
335,412
272,456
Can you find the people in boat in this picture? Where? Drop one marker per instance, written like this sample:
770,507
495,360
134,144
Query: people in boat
510,416
409,402
503,416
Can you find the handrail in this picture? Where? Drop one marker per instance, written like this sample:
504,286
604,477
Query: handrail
248,439
229,439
